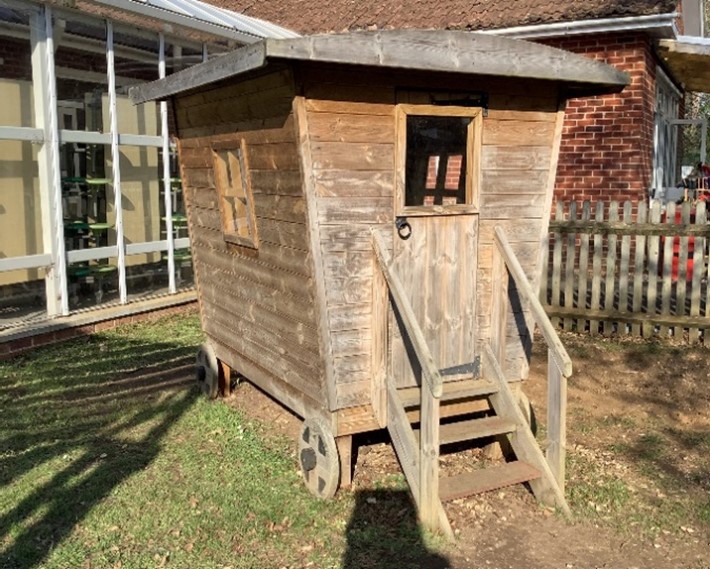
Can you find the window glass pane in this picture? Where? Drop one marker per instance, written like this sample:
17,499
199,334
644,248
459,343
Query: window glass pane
80,66
93,283
142,194
146,275
178,57
20,226
87,196
233,187
22,298
16,92
135,61
436,160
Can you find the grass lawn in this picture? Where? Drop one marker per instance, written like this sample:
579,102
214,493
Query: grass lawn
110,458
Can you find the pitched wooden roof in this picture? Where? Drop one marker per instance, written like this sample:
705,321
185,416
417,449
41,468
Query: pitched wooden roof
434,51
309,17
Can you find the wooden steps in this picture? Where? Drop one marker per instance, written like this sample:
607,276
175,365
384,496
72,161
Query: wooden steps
418,451
485,480
472,429
453,390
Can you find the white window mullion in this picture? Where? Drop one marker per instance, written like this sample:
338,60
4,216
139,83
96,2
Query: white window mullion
45,100
115,162
167,189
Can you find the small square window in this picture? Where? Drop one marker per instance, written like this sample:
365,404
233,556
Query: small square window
438,160
235,198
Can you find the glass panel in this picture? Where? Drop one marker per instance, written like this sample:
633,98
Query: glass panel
142,196
16,95
146,275
20,226
22,298
80,66
136,61
87,196
178,57
235,196
93,283
436,160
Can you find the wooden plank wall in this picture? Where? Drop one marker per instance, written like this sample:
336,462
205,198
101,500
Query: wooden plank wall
351,132
518,154
258,305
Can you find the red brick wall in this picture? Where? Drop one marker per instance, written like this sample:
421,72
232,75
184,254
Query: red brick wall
607,142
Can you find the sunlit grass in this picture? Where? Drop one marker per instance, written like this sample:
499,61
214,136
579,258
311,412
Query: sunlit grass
110,458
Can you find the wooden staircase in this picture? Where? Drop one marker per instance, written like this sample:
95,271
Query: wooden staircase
418,448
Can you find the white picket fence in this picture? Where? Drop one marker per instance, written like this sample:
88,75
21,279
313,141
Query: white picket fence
629,270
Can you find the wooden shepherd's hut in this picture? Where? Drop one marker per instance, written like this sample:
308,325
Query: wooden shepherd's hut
366,213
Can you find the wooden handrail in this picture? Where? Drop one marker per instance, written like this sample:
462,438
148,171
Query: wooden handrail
430,373
557,350
559,367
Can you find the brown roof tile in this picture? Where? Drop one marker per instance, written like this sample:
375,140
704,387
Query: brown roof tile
309,16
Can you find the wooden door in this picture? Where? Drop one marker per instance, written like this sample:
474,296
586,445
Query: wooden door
435,252
437,264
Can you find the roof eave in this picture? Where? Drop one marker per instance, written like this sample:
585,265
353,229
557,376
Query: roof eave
433,51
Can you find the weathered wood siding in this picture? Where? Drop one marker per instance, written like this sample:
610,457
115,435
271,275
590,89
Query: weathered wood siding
257,305
520,145
351,131
351,134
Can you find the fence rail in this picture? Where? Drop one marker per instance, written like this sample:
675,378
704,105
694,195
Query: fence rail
629,269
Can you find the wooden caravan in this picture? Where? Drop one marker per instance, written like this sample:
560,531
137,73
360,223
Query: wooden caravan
366,214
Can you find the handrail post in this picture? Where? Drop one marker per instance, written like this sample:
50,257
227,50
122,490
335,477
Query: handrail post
499,306
431,389
429,459
380,333
556,420
559,362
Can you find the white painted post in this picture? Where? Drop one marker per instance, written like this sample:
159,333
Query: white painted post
167,189
50,184
116,168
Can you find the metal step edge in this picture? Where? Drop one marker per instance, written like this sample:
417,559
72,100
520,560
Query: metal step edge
485,480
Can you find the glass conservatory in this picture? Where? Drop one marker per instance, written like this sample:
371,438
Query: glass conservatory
91,207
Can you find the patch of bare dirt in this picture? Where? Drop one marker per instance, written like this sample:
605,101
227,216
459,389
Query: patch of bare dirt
637,412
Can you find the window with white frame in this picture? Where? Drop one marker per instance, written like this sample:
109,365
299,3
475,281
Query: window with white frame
666,169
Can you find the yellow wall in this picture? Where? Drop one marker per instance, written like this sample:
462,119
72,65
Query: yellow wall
140,177
20,215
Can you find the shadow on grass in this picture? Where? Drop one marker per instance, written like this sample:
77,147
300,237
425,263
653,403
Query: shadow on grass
383,533
77,420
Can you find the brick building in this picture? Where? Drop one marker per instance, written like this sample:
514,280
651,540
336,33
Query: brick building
614,147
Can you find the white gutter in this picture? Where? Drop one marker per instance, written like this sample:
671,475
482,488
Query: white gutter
664,24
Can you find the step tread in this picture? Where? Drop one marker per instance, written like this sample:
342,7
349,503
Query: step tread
452,390
485,480
471,429
474,429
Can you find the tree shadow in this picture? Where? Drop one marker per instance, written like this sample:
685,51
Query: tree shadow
73,428
383,532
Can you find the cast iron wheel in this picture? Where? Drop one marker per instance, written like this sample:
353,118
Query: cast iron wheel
207,371
318,458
